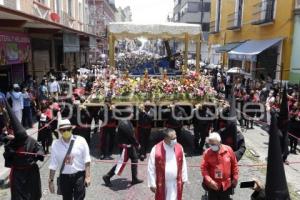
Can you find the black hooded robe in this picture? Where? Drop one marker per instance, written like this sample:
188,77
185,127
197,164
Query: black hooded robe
25,181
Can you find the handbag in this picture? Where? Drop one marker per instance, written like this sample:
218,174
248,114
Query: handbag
58,181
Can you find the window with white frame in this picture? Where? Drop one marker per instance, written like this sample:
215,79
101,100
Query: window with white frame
70,8
18,3
193,7
218,16
80,13
57,6
45,2
184,9
268,9
86,14
238,12
297,6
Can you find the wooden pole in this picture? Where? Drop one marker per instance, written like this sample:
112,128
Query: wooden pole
186,48
198,49
111,51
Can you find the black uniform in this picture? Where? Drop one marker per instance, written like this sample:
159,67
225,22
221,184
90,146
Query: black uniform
125,136
201,128
107,131
144,126
25,177
294,128
45,133
233,138
82,120
259,195
175,122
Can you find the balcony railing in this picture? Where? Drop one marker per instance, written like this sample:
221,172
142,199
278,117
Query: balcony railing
67,20
213,28
88,28
263,12
234,21
41,10
10,4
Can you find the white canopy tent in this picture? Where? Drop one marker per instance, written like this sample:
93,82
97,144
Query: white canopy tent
165,31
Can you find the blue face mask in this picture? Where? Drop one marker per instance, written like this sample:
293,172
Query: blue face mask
215,147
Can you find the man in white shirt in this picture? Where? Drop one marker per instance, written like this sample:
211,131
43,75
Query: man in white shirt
54,87
75,175
269,103
167,170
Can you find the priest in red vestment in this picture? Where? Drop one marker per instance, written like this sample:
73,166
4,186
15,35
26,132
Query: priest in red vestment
167,170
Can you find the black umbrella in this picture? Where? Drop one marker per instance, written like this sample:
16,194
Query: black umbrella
276,185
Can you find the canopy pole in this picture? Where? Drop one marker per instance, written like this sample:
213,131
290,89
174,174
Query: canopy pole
198,56
111,50
186,48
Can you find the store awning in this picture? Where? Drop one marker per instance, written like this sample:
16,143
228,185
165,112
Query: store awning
228,47
250,49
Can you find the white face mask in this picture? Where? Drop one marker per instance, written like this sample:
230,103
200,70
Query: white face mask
173,143
215,147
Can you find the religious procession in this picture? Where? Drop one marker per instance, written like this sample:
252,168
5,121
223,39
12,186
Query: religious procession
161,112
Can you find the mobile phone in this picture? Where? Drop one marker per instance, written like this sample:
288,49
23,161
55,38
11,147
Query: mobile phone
247,184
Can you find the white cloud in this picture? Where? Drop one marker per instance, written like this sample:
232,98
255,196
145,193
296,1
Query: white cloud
148,11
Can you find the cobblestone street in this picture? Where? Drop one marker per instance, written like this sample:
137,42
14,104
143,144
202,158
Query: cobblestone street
122,190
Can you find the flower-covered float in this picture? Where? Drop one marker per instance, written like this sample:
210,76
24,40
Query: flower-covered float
191,87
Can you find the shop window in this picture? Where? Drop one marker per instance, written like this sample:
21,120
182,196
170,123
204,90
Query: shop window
193,7
205,27
247,66
206,7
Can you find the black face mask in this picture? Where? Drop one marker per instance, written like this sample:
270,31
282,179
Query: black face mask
17,89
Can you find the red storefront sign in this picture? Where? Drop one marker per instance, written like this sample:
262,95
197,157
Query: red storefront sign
14,48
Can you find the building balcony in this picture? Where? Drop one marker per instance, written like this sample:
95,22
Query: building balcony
68,21
234,21
213,28
41,10
263,12
88,28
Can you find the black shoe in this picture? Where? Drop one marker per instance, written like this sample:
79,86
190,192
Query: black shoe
102,157
142,157
136,181
293,152
106,180
108,158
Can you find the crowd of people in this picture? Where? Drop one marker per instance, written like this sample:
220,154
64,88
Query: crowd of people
130,130
255,100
